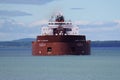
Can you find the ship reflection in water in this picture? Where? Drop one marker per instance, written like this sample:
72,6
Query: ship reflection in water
60,37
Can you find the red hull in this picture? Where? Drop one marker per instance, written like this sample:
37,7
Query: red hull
60,45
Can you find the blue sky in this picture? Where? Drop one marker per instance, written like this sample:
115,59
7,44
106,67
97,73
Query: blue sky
97,19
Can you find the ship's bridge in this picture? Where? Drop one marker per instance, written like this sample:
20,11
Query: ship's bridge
63,24
60,27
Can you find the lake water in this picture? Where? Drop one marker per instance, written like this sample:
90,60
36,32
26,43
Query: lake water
19,64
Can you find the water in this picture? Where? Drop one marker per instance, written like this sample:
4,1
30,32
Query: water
19,64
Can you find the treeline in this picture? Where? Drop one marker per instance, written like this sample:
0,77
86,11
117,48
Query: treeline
105,43
15,44
29,44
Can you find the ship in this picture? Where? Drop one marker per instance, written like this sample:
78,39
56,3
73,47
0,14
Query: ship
60,37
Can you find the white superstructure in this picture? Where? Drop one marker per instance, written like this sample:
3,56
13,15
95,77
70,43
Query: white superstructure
60,27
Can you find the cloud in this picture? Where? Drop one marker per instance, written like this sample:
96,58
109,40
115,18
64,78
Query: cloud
12,26
13,13
15,36
38,23
99,30
76,8
117,21
36,2
97,26
11,29
82,22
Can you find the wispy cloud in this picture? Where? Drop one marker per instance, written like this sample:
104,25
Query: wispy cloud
12,26
76,8
38,23
82,22
37,2
13,13
96,30
100,30
117,21
89,26
11,29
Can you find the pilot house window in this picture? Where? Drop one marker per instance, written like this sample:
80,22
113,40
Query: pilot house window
49,49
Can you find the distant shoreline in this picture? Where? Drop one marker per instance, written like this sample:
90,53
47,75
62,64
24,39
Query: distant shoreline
28,44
